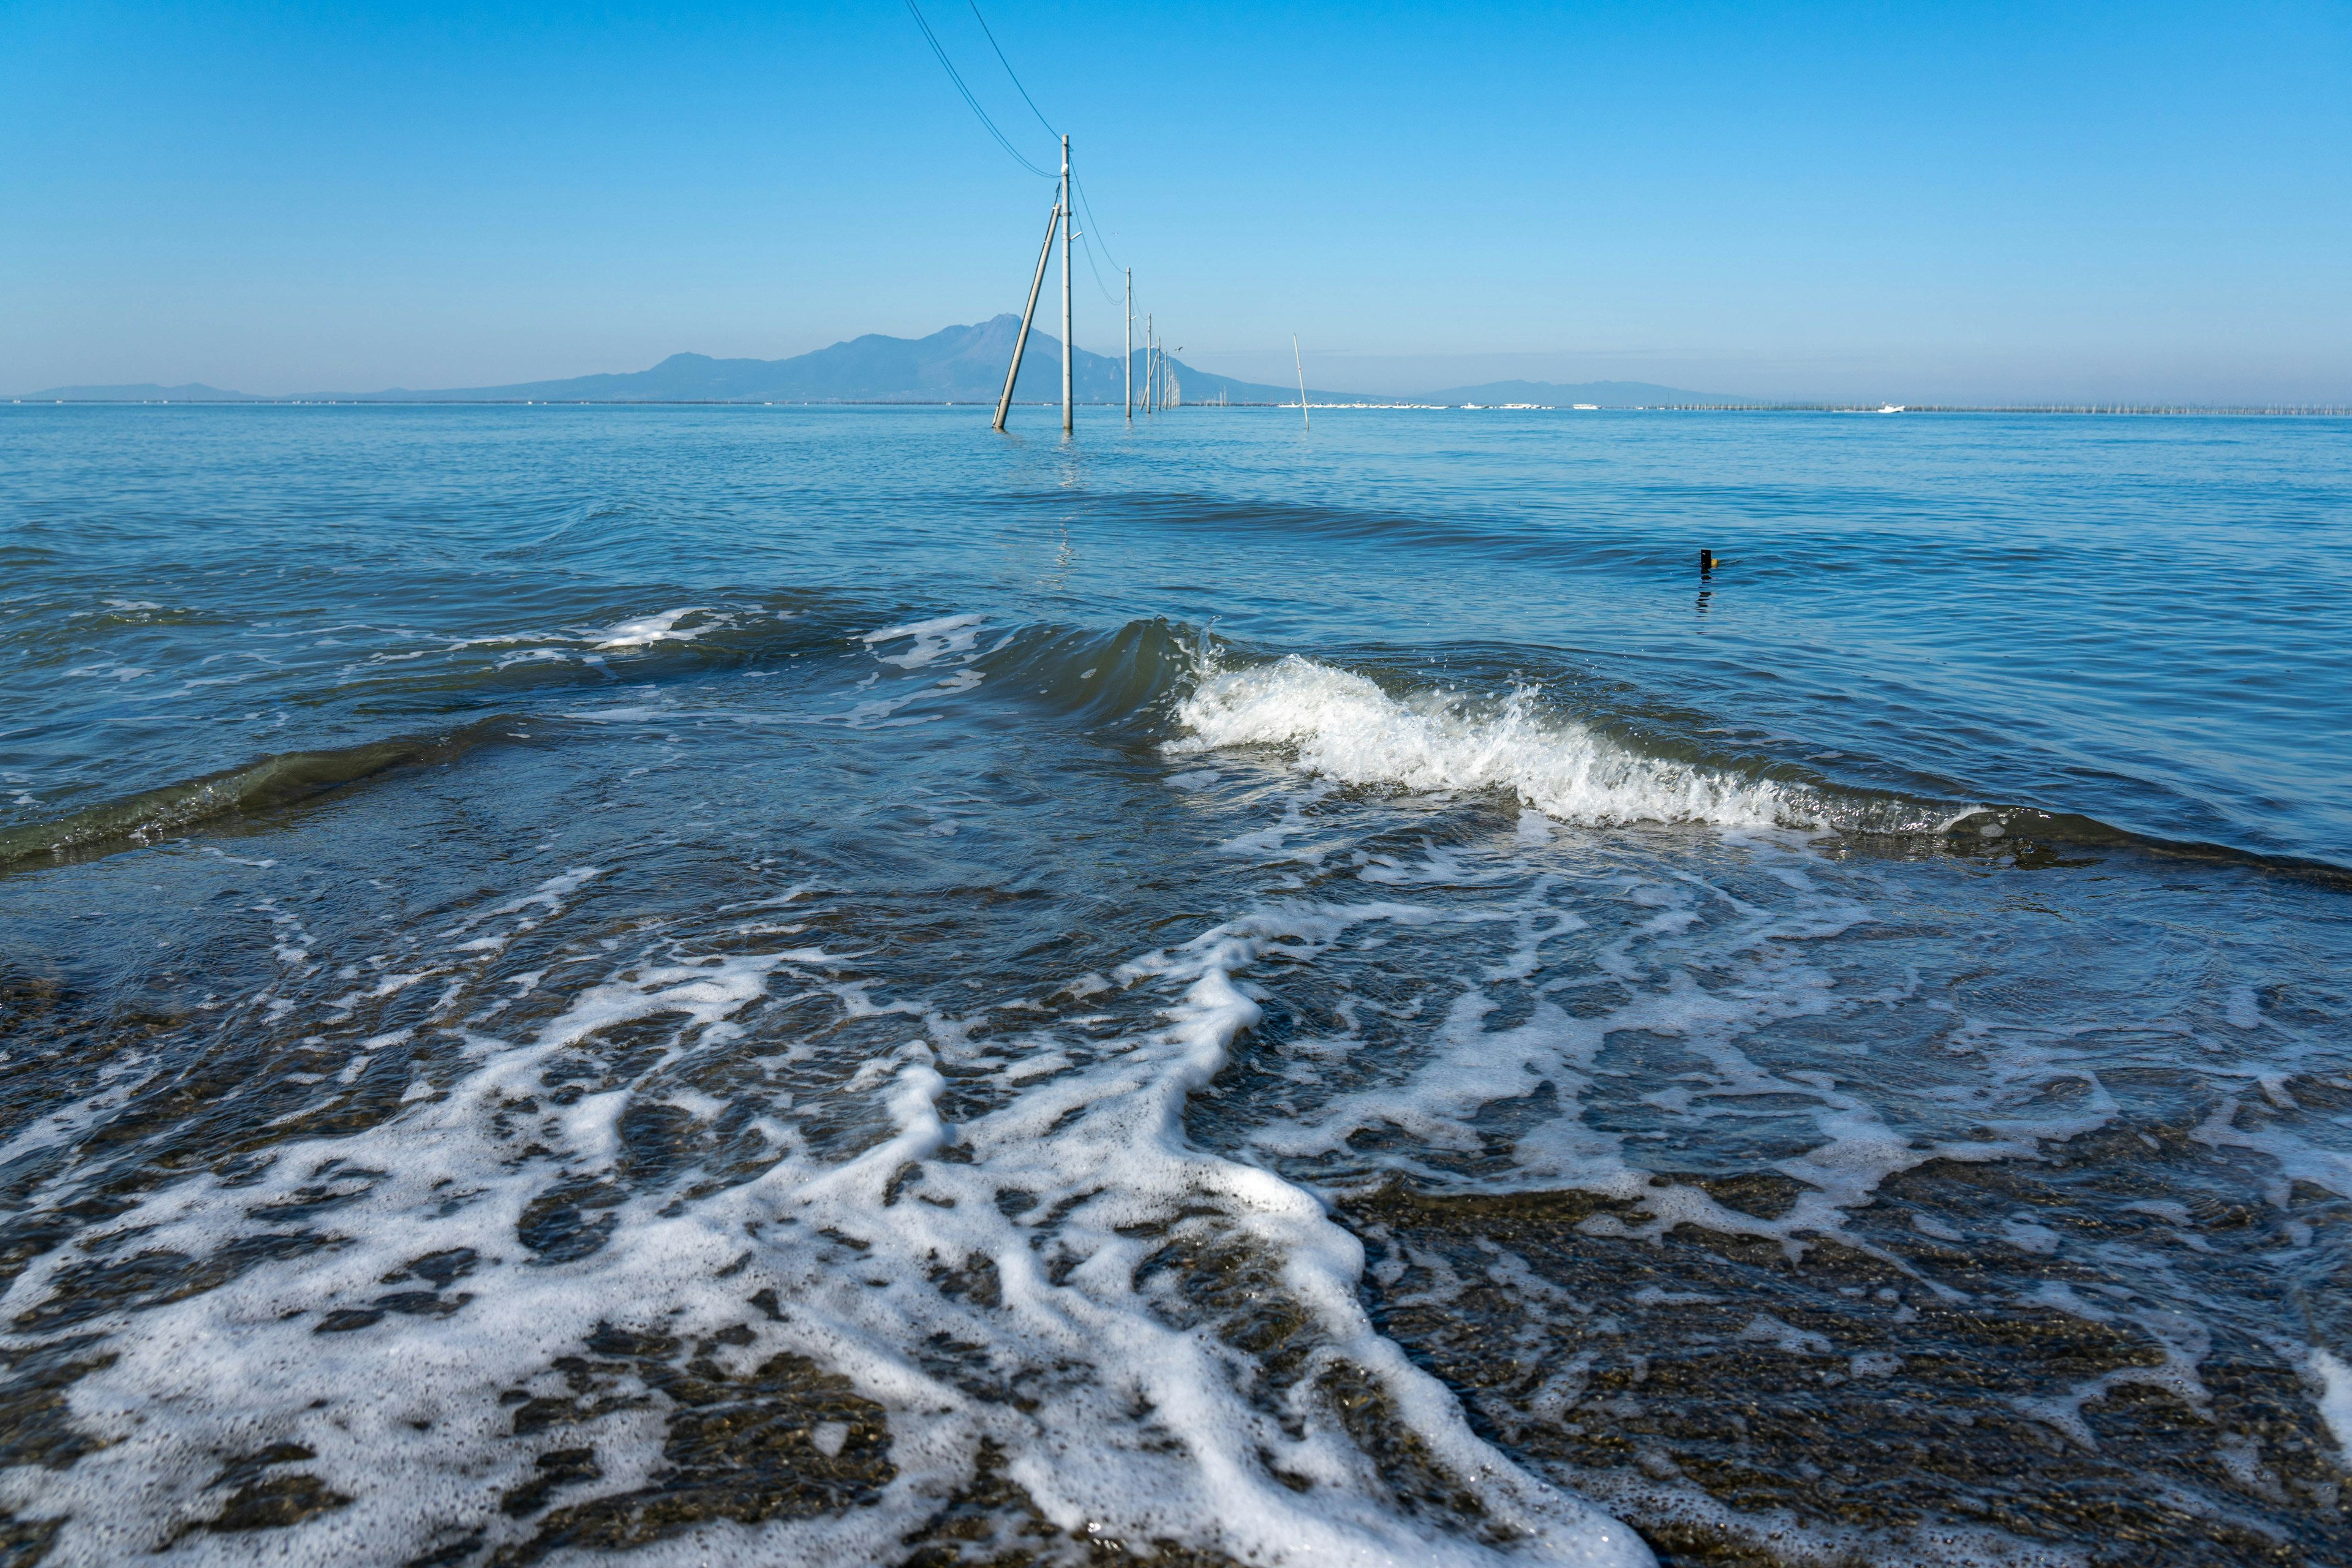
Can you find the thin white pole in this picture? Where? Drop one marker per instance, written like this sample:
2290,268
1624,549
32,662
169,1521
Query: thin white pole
1130,345
1020,343
1301,364
1068,414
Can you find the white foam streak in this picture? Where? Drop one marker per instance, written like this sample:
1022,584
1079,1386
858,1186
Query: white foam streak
1101,1150
646,630
932,639
404,1416
2335,1381
1343,726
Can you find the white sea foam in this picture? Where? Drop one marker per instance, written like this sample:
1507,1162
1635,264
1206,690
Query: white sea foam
1132,1420
627,713
403,1417
1344,726
2236,1125
2335,1381
646,630
931,639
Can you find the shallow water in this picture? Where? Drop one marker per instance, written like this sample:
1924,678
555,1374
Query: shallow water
820,985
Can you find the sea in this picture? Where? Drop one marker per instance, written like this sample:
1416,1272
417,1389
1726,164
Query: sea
828,986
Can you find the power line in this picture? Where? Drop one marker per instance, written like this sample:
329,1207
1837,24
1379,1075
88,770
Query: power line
956,76
1094,248
1085,201
1087,235
1009,70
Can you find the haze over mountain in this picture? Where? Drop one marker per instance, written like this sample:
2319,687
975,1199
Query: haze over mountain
146,392
955,364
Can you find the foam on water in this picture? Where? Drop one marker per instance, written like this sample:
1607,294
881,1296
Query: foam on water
982,1231
646,630
396,1403
1345,727
1757,955
930,639
2335,1381
1365,1099
964,1114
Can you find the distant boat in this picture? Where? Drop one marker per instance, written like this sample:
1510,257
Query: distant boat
1588,407
1890,409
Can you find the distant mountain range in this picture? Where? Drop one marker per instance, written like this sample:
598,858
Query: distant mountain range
957,364
146,392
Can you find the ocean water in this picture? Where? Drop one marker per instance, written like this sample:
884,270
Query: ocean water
821,985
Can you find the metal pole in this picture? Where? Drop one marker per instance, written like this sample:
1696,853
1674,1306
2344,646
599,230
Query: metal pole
1020,343
1150,363
1069,421
1130,345
1301,364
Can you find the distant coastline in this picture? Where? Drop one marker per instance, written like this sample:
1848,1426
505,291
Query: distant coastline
965,365
1399,406
954,365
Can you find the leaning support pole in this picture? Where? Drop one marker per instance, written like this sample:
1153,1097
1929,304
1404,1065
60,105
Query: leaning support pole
1130,345
1020,343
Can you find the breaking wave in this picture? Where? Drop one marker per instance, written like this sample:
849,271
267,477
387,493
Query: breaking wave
1343,726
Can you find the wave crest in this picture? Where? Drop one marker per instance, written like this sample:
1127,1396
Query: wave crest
1344,726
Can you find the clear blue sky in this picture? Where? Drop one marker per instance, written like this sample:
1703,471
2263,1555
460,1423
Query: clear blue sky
1902,201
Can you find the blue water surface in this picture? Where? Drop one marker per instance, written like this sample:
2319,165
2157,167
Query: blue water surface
2141,620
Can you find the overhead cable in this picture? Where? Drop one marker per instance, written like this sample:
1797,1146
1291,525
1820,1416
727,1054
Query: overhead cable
957,78
1085,202
1085,234
1086,237
1009,70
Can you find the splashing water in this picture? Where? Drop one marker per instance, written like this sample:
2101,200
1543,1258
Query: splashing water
918,1059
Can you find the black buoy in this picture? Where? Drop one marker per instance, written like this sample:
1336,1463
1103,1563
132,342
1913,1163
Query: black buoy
1706,560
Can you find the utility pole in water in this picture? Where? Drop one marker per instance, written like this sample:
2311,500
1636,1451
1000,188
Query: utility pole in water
1069,418
1130,345
1020,343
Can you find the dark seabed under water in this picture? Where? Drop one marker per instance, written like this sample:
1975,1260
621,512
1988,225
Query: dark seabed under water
822,987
